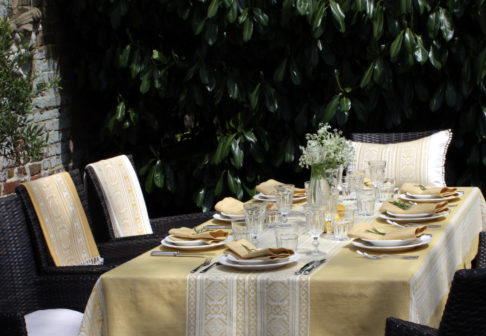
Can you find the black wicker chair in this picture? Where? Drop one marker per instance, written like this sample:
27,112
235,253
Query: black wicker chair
386,138
113,253
480,259
22,288
464,313
160,226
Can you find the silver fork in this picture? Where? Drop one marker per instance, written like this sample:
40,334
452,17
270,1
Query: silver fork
204,263
430,226
379,256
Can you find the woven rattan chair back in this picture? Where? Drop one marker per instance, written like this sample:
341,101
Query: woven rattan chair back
480,260
465,310
386,138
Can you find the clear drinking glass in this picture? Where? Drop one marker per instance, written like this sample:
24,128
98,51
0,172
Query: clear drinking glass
316,219
377,172
239,229
386,190
366,201
254,213
342,224
284,195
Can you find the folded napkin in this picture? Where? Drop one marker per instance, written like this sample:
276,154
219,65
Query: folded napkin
367,183
243,249
268,188
400,207
187,234
230,205
419,189
378,231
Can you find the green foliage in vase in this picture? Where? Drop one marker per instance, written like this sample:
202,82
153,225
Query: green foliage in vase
20,140
213,96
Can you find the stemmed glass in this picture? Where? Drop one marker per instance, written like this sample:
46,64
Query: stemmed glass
254,213
284,195
316,219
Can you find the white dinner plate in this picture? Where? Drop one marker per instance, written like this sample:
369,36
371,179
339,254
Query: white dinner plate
221,217
415,198
390,242
232,259
271,198
423,240
231,216
224,261
185,242
414,219
392,214
167,243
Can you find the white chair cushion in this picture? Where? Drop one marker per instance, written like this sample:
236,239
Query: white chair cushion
418,161
53,322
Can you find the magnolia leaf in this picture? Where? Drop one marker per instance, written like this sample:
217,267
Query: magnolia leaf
445,24
420,51
254,95
396,45
433,24
331,108
124,56
213,8
158,174
120,111
279,73
367,76
247,30
338,15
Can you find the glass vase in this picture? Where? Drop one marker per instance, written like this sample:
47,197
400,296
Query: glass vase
319,188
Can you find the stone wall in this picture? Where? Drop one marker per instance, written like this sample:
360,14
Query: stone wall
50,110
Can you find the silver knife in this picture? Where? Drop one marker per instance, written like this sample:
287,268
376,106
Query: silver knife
210,227
303,268
178,254
315,265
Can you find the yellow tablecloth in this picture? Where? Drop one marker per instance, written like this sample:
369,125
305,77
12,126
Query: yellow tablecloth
348,295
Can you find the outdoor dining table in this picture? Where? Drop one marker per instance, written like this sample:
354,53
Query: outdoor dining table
346,295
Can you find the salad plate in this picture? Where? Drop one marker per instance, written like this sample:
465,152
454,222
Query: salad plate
169,243
414,219
422,240
257,267
271,198
430,198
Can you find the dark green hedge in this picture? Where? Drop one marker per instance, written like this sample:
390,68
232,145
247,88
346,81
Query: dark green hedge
212,96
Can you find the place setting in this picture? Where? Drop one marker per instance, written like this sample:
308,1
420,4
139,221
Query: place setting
267,192
385,238
229,209
400,211
188,239
419,193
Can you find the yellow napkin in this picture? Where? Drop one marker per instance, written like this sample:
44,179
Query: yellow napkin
230,205
243,249
418,189
268,188
210,237
367,183
421,208
377,231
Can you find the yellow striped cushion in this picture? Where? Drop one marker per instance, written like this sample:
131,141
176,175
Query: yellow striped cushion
419,161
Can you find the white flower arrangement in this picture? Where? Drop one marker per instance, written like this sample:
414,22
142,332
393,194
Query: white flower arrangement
338,150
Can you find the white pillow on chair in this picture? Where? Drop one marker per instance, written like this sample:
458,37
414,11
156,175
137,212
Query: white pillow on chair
53,322
418,161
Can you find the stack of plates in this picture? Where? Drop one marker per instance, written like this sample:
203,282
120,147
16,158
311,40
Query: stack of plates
412,217
227,217
191,244
429,198
256,264
271,198
392,245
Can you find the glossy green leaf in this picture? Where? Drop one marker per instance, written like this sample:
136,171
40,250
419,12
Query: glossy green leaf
319,16
303,6
345,104
243,16
420,53
260,16
232,14
396,45
295,74
232,182
433,24
211,33
124,56
409,41
289,155
200,197
150,179
338,15
446,24
159,175
271,101
378,23
254,96
331,108
378,71
247,30
213,8
238,154
145,83
405,6
142,171
438,55
120,111
219,185
279,73
365,81
370,8
360,5
170,182
232,88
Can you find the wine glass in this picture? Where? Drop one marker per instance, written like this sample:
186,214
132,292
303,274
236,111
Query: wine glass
284,195
254,213
316,219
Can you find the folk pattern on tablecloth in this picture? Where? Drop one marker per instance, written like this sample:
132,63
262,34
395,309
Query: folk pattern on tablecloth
93,318
251,303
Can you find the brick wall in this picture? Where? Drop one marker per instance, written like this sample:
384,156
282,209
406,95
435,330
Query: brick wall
50,110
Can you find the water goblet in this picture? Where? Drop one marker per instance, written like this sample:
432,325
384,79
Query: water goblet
316,219
284,195
254,213
377,172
